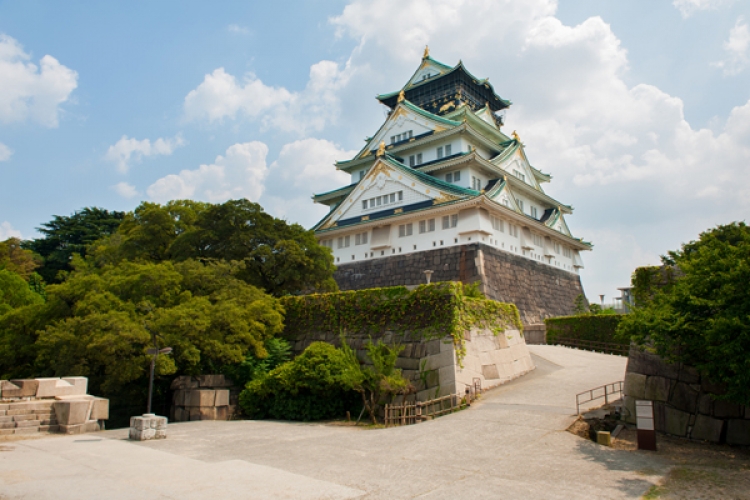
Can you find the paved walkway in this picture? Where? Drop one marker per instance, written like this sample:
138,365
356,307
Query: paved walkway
511,445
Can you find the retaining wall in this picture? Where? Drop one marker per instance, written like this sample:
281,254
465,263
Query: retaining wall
432,365
684,403
538,290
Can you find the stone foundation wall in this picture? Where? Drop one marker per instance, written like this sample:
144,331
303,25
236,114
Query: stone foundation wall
432,366
538,290
683,402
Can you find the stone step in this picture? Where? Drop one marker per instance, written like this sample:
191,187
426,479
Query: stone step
28,423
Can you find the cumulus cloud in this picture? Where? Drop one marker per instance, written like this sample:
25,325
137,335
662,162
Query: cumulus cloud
128,150
31,92
222,96
689,7
239,173
302,168
125,190
236,28
737,49
7,231
5,152
622,153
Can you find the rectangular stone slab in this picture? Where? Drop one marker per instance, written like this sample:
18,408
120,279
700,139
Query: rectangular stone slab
72,412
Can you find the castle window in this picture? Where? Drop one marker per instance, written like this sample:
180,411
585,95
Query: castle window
476,183
392,197
426,226
497,224
519,175
405,230
360,239
411,161
419,158
440,152
537,240
364,204
534,212
448,150
456,176
567,252
448,177
520,204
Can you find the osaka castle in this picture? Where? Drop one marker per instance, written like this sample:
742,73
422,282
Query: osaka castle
441,192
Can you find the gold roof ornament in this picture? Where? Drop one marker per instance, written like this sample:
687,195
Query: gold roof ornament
515,136
401,96
381,149
426,52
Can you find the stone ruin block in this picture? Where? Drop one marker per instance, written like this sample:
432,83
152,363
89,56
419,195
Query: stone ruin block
202,397
53,387
22,388
707,429
73,412
148,426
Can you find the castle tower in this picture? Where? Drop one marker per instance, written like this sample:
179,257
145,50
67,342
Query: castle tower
441,187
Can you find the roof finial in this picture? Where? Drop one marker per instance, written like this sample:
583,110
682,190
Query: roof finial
401,96
381,149
515,136
426,52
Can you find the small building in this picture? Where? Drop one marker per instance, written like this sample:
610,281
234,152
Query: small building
440,186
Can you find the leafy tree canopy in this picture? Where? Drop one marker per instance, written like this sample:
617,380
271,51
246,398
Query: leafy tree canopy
100,322
703,318
17,259
66,235
278,257
15,292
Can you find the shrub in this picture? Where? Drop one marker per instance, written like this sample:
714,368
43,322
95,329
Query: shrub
316,385
587,327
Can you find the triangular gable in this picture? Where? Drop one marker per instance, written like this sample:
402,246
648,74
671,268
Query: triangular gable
501,194
515,160
404,116
388,176
554,219
429,68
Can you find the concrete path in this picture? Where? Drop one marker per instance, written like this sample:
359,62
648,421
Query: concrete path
512,444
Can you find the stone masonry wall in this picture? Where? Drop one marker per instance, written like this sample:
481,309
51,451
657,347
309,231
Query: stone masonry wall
538,290
431,364
683,402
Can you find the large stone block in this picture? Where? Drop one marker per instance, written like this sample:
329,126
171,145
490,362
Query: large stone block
222,397
657,388
406,364
202,397
54,387
80,385
705,404
72,412
213,381
675,421
490,372
684,397
738,432
707,429
24,388
726,409
100,409
635,385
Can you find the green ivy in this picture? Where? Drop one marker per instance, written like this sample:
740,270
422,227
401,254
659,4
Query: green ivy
429,311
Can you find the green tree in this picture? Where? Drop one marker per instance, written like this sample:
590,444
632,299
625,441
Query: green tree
703,318
17,259
100,322
315,385
15,292
66,235
380,381
278,257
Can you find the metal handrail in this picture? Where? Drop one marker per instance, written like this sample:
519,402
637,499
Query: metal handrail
616,387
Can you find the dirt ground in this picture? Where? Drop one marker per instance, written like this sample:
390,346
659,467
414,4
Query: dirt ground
699,470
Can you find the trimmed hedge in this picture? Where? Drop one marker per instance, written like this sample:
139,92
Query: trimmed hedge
585,327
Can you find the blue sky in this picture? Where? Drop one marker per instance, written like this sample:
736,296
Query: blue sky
640,110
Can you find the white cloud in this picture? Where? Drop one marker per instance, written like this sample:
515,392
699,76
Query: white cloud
222,96
236,28
737,49
30,92
689,7
7,231
622,153
302,168
126,190
240,173
5,152
128,150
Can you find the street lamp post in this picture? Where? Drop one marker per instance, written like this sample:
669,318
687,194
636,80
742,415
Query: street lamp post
154,352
